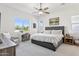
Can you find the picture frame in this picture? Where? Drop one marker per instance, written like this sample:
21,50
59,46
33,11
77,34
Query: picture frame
54,21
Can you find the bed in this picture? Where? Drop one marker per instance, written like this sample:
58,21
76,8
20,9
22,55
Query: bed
49,41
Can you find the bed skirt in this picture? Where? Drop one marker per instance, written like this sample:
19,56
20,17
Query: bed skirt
47,44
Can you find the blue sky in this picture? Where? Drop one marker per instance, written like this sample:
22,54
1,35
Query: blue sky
20,22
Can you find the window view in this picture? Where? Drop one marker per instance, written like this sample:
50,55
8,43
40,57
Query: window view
75,23
22,25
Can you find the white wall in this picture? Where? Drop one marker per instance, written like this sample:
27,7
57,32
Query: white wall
7,18
65,14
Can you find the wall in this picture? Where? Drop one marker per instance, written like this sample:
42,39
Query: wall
7,18
65,14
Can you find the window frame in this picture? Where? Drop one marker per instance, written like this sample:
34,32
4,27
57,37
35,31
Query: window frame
74,23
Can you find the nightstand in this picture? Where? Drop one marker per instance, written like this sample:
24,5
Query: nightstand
69,40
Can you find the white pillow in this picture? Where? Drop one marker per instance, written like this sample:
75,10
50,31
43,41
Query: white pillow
56,31
47,31
7,35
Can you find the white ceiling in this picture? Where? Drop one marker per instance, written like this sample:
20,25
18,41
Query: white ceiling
29,7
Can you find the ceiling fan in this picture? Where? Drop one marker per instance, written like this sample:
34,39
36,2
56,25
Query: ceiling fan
42,10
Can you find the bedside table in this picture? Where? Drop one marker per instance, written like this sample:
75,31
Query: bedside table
69,40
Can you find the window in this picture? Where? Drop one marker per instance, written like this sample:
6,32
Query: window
22,25
75,23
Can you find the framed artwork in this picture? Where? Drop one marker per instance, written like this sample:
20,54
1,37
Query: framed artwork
54,21
34,25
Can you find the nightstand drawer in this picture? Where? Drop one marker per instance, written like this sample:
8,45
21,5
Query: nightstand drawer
68,41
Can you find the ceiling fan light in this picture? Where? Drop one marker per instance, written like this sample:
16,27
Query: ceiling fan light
40,12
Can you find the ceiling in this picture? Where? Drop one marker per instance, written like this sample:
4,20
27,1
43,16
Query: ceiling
29,7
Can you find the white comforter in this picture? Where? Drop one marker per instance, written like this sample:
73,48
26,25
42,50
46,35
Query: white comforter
52,38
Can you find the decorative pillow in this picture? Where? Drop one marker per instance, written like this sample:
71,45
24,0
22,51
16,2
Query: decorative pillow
56,31
7,35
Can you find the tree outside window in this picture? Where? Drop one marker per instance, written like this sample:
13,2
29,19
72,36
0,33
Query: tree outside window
22,25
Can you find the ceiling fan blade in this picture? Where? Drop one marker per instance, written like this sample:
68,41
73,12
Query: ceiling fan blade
42,10
46,8
47,12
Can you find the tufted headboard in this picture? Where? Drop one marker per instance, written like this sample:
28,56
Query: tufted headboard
56,28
